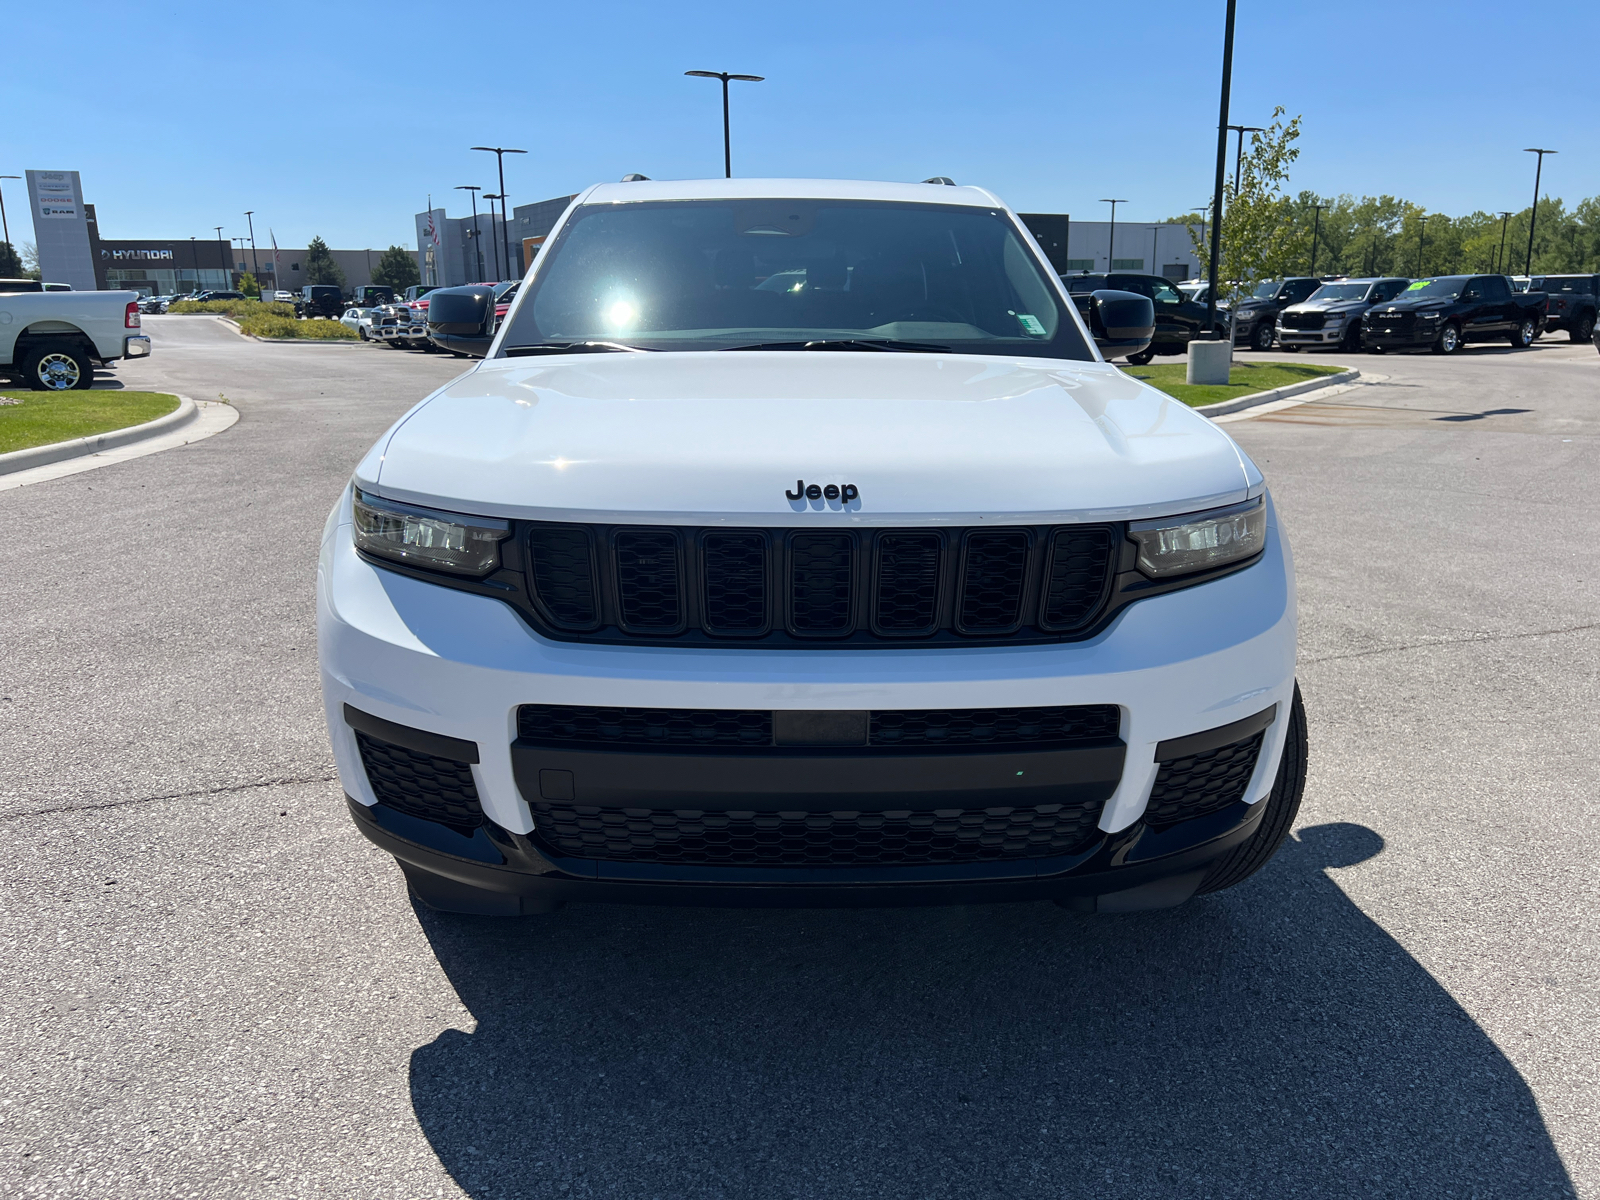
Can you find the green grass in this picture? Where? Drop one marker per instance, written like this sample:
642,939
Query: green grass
45,417
1244,379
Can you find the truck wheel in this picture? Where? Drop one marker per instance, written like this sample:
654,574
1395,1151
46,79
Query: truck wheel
1352,337
1245,859
57,368
1261,339
1583,330
1448,341
1141,359
1522,337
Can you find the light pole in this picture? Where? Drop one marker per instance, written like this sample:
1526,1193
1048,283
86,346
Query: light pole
1201,209
222,248
494,242
727,143
255,266
477,234
1222,175
194,260
1155,241
1316,227
1111,252
1500,258
500,153
1422,241
1238,154
1533,213
3,226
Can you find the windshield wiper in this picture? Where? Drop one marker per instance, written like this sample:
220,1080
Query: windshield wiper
575,348
890,344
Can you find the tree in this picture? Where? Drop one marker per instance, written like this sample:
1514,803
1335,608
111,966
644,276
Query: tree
30,261
10,262
249,286
1259,237
397,269
320,267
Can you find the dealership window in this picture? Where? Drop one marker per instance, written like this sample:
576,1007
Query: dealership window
1080,264
1178,271
1127,264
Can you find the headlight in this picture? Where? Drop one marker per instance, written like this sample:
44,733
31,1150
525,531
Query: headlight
1197,541
425,537
1428,316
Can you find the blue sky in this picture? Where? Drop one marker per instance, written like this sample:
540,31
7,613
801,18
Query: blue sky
327,121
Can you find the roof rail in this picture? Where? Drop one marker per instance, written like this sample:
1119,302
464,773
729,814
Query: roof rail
636,178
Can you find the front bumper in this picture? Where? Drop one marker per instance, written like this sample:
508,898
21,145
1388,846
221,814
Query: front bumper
1330,335
1418,336
457,667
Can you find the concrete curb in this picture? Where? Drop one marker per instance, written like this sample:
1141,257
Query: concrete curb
38,456
1222,407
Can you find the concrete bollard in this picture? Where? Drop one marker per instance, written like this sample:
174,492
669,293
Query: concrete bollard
1209,362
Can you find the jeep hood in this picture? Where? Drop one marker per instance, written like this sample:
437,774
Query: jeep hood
691,436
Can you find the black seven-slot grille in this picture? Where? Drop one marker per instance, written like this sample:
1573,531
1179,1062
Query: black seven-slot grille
721,731
635,583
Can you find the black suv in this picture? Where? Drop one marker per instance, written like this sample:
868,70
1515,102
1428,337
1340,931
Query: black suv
1178,319
1571,304
371,295
320,300
1255,317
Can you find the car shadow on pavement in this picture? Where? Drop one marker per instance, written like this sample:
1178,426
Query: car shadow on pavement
1269,1041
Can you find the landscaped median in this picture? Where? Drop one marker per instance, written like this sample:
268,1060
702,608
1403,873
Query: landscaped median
1244,379
269,320
29,419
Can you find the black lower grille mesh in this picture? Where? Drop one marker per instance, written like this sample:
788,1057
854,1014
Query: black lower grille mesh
715,729
815,839
1203,783
420,785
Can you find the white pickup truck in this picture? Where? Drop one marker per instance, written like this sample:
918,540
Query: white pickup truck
52,340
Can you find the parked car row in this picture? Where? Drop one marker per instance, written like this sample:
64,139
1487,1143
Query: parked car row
403,325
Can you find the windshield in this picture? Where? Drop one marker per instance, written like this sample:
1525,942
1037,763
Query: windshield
1341,291
1447,288
779,274
1267,290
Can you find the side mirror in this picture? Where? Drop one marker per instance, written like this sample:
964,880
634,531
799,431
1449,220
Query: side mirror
462,319
1120,322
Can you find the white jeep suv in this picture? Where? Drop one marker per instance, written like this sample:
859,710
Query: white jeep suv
793,544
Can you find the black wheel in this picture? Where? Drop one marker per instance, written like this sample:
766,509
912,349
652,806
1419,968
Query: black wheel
57,368
1245,859
1261,339
1142,358
1583,330
1448,341
1352,337
1522,337
1289,349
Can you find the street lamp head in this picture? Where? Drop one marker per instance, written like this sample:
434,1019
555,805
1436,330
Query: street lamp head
499,149
749,78
724,75
468,187
1537,150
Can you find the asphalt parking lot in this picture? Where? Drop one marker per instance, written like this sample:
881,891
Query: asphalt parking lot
212,986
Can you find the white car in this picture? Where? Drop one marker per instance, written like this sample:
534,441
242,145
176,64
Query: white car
881,587
359,319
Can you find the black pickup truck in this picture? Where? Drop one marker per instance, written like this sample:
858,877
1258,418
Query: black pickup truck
1572,300
1178,318
1445,313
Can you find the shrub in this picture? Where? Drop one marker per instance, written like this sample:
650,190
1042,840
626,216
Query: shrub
272,325
237,309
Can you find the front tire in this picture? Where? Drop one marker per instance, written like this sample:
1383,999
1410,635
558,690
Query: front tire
1261,339
1584,330
1352,337
1522,337
50,368
1141,359
1448,341
1245,859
